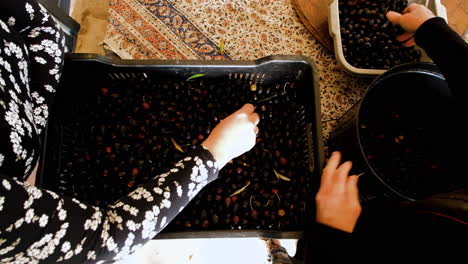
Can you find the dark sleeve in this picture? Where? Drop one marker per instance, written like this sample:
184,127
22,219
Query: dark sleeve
447,49
39,226
45,43
324,244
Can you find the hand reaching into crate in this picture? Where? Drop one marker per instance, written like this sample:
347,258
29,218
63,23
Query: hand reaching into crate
338,197
442,44
233,136
50,227
410,20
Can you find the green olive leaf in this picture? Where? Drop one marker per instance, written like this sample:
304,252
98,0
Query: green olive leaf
177,146
195,76
267,99
240,190
280,176
221,46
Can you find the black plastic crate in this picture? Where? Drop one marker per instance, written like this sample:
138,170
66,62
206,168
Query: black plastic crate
116,124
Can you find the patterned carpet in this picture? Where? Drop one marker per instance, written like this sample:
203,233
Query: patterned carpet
250,29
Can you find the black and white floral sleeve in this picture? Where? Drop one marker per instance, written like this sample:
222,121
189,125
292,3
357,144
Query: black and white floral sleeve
31,57
39,226
45,44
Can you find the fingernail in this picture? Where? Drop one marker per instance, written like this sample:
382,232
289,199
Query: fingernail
359,175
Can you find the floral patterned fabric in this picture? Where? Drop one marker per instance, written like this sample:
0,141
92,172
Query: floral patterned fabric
40,226
30,62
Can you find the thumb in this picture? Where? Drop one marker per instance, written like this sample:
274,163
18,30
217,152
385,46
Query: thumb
394,17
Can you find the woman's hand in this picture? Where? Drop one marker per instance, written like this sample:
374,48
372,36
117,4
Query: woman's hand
338,198
233,136
412,18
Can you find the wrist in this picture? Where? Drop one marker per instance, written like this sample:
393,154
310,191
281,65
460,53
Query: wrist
425,32
218,155
346,226
347,229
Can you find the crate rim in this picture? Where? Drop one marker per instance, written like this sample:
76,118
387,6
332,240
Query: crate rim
230,234
159,62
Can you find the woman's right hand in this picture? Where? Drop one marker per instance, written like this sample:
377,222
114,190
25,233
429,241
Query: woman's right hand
337,200
412,18
233,136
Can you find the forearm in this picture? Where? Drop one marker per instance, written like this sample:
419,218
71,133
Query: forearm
447,49
61,228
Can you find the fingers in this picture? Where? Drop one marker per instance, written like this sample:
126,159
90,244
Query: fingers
409,43
394,17
405,37
254,118
247,109
343,171
252,138
411,7
330,169
256,130
341,175
352,186
334,161
335,176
